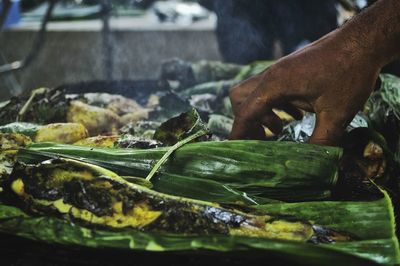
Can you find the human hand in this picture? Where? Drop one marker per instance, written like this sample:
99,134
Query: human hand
332,77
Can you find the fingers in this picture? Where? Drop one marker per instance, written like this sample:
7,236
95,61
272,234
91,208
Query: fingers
252,105
255,112
329,129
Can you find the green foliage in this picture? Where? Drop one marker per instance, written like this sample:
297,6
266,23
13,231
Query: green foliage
272,170
372,222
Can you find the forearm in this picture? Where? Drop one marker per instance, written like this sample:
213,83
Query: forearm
376,32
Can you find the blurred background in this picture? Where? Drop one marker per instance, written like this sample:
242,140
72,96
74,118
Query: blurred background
50,43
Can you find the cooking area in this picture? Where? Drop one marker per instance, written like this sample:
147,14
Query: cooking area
198,131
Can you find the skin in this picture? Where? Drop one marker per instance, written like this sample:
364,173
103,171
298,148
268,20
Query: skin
332,77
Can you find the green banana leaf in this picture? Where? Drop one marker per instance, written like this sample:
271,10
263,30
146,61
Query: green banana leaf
202,189
372,222
256,168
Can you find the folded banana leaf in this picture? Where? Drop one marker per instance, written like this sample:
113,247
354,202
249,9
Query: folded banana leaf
372,222
98,198
273,170
375,237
